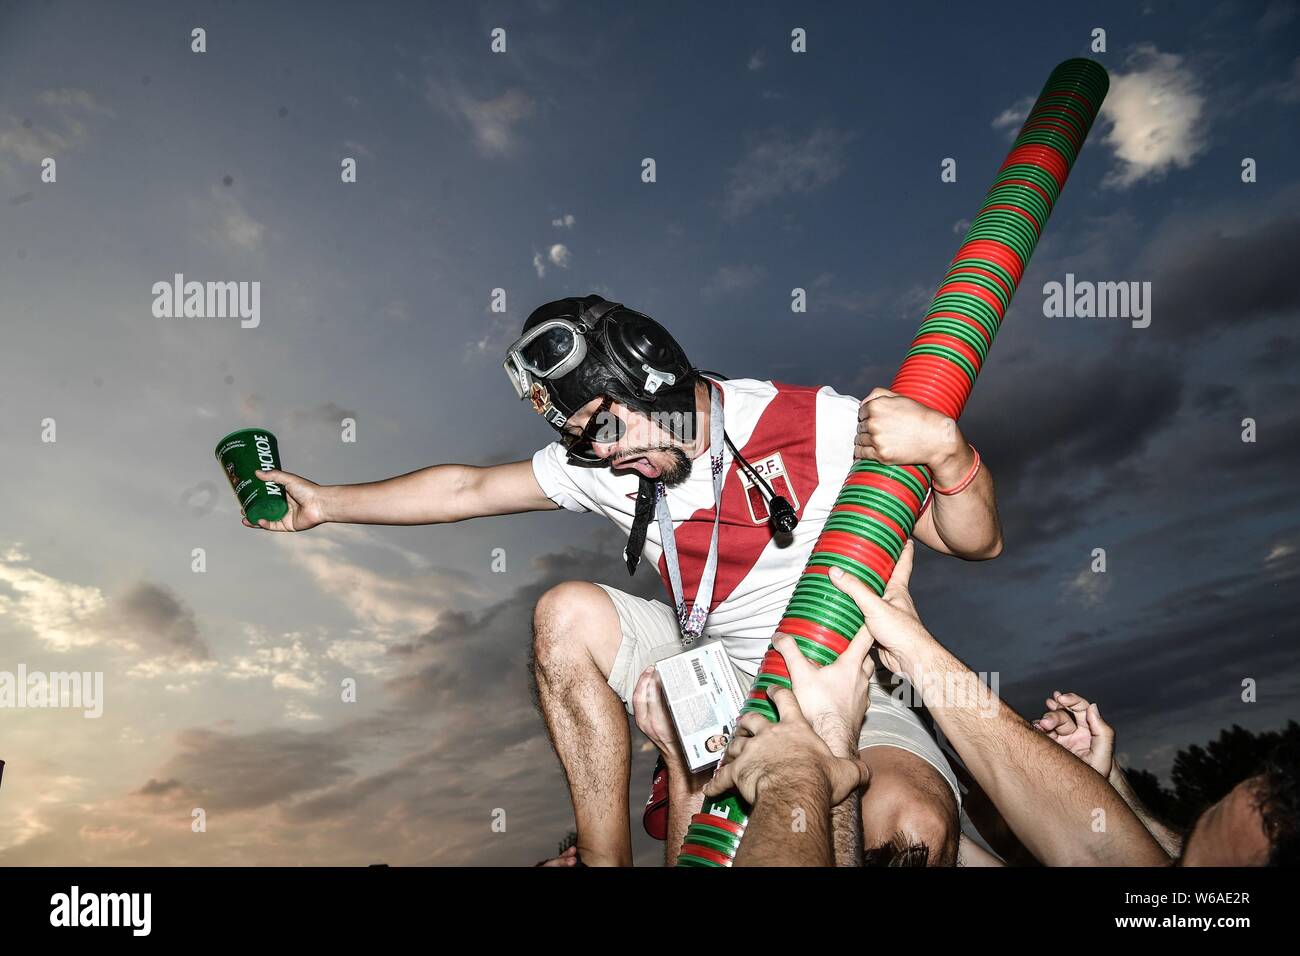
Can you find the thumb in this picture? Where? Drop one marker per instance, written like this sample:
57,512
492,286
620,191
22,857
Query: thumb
798,665
721,782
275,474
1103,734
867,600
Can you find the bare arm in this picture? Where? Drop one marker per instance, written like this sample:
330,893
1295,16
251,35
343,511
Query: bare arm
1170,840
772,839
685,797
1063,811
970,853
1060,808
896,430
437,495
965,524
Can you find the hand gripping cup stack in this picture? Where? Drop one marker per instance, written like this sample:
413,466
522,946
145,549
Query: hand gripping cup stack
879,504
241,453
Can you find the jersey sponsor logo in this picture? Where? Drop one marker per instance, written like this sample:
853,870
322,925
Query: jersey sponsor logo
772,469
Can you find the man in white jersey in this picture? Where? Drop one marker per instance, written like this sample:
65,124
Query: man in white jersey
633,417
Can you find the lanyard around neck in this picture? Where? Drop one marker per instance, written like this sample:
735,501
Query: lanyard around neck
692,618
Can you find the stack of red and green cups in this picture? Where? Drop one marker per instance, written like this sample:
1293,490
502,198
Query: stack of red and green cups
879,504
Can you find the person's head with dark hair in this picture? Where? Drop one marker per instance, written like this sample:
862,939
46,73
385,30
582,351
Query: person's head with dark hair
1279,803
1257,823
897,851
613,382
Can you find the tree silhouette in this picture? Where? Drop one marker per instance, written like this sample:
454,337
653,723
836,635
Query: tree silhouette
1203,775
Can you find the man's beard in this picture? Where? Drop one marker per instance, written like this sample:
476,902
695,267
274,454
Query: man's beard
679,469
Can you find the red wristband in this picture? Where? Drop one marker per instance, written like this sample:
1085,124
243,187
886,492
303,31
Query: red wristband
965,482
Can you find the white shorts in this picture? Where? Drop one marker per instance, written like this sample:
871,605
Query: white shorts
651,633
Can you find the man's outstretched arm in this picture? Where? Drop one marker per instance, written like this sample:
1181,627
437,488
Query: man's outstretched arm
439,494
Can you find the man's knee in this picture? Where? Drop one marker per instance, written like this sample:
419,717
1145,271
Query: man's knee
902,812
572,621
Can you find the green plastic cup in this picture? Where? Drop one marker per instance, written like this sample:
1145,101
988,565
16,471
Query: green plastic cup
241,453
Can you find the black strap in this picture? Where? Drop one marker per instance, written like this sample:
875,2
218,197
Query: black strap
645,509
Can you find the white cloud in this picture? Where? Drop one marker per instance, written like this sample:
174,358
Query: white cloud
1279,551
559,255
539,264
1088,587
1013,115
366,657
60,126
56,611
229,224
756,61
386,604
288,666
732,279
361,149
775,165
564,222
144,622
491,121
1155,111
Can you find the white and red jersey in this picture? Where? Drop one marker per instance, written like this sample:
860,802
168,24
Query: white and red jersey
800,438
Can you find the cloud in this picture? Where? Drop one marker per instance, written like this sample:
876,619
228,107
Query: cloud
1014,115
152,621
388,605
1049,459
288,666
1205,275
418,783
756,61
1088,587
729,280
155,788
56,611
226,773
60,126
491,121
1183,654
775,165
1278,14
1286,91
1155,115
329,414
147,622
228,223
564,222
559,255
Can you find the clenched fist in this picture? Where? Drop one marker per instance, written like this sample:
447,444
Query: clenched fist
895,430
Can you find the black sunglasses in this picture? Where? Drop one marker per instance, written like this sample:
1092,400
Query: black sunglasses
602,427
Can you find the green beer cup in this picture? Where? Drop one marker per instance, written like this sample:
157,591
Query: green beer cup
241,454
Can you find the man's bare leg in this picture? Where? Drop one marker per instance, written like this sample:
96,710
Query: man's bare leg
907,795
576,635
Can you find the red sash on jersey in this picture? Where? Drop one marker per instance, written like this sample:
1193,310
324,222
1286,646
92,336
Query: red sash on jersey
787,425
